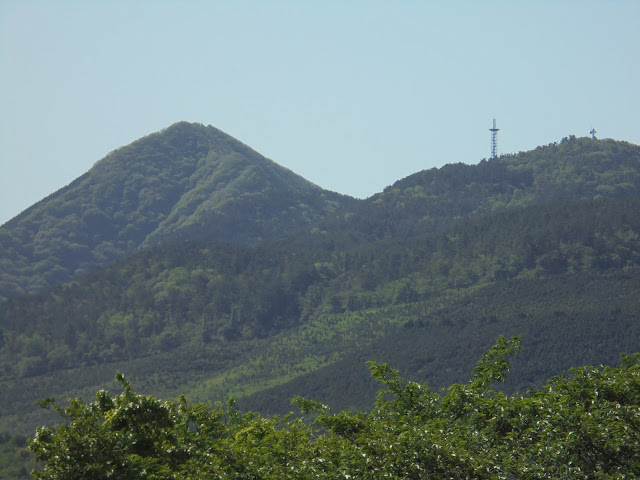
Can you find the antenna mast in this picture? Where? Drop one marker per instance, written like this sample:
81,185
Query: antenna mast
494,140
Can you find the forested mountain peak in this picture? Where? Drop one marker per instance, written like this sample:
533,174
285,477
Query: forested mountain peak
431,200
588,163
188,181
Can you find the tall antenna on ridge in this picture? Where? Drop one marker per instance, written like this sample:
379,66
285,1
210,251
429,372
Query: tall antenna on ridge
494,140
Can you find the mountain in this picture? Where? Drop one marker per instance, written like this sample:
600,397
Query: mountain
424,276
185,182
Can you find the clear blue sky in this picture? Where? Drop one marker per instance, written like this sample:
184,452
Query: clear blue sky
352,95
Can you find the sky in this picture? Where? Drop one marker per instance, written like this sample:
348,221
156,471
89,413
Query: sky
352,95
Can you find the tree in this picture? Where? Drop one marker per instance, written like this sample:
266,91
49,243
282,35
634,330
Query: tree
126,436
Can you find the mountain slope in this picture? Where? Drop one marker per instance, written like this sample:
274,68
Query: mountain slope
185,182
565,320
234,319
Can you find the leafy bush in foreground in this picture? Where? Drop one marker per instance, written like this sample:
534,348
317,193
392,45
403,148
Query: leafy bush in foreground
583,426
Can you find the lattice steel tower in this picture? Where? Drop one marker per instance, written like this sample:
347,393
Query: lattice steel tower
494,140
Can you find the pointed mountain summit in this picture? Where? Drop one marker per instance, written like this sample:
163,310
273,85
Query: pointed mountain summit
186,182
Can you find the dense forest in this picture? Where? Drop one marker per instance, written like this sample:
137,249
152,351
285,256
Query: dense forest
217,294
223,275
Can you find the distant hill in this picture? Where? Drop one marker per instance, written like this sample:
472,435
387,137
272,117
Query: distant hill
185,182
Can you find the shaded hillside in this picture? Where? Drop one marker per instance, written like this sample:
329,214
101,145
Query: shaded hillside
185,182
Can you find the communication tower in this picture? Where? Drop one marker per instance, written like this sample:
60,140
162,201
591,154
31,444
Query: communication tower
494,140
593,133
